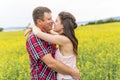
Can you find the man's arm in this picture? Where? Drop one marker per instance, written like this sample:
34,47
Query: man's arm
59,66
39,51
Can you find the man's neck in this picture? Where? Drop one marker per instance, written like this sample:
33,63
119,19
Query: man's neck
41,28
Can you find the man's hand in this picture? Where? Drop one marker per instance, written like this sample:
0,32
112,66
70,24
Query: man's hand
76,74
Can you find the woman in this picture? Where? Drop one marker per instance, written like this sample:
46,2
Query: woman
64,36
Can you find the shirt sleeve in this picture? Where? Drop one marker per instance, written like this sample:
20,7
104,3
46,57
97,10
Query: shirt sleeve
38,47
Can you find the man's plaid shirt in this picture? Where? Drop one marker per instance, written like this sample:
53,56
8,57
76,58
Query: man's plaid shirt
38,48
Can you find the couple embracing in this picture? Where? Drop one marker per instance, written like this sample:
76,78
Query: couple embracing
48,61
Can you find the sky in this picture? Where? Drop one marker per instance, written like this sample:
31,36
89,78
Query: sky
18,13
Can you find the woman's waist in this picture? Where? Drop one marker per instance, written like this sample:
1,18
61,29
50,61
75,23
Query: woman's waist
63,77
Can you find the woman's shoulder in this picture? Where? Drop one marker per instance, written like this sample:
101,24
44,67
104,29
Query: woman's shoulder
65,39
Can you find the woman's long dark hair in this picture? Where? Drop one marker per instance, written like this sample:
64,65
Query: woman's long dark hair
69,24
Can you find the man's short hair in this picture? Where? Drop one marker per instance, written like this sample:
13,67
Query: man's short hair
38,13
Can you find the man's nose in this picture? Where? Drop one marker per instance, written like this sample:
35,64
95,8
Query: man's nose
52,21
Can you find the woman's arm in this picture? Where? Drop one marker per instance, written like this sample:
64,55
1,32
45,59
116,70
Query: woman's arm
27,31
53,32
56,39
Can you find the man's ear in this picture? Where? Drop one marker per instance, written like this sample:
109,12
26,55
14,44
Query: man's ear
39,21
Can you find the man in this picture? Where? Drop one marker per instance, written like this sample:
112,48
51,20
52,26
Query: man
41,53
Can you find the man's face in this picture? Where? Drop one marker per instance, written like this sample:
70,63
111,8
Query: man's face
48,22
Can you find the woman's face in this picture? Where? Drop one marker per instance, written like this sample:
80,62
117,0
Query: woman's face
58,27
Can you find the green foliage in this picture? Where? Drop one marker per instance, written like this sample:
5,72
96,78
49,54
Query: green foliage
92,22
100,22
1,29
110,20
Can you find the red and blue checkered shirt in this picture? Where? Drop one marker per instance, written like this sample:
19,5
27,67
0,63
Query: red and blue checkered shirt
37,48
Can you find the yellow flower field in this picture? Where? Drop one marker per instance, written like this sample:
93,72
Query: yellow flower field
99,53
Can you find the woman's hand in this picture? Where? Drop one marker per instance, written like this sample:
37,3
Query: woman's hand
35,30
28,30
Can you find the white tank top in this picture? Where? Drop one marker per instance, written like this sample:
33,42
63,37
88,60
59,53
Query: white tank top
67,60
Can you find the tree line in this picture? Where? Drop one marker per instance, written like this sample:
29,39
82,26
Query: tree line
103,21
1,29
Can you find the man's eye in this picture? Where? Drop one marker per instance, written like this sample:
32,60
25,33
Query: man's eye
49,19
